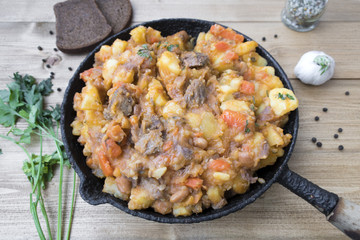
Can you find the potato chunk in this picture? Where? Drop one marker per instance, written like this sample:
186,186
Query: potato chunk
169,65
91,99
282,101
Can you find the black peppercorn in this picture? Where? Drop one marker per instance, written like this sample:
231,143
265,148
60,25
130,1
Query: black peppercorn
59,89
55,49
340,130
341,147
318,144
51,32
48,66
313,139
43,60
264,39
336,135
317,118
275,36
39,48
325,109
347,93
70,68
52,73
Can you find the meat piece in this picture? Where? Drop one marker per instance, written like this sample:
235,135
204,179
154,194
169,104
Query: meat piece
123,99
195,94
185,152
151,122
176,88
194,59
150,142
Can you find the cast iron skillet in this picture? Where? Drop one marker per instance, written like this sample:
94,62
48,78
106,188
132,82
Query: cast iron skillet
91,186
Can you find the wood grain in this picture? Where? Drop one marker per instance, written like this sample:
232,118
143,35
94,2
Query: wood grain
226,10
278,214
20,42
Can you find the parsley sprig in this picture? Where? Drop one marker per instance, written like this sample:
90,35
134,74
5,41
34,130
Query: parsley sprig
322,61
24,99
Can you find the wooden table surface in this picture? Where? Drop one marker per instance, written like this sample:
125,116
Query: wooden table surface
278,214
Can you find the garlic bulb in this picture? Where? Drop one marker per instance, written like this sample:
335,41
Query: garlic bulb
315,68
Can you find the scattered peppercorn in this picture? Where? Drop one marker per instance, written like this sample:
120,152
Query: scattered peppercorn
39,48
51,32
347,93
43,60
52,73
55,49
48,66
341,147
275,36
318,144
51,76
264,39
59,89
340,130
70,68
336,135
317,118
313,139
325,109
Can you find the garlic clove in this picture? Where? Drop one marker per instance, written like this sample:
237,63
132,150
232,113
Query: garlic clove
315,68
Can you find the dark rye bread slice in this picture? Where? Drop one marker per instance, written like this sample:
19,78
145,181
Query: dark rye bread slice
79,25
116,12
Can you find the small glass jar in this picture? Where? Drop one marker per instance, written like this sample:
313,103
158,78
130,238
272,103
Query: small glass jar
303,15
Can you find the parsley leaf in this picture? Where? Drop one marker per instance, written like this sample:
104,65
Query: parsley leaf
290,97
171,47
281,96
45,87
324,62
247,129
144,52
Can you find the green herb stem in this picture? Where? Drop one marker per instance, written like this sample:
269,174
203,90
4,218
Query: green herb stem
59,223
43,211
72,206
36,218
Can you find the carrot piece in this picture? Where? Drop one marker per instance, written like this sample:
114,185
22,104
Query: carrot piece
219,165
194,183
247,88
85,76
231,55
228,33
231,35
113,149
115,132
222,46
105,164
216,29
167,145
234,119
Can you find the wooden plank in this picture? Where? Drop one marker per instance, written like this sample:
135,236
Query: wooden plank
20,41
278,214
214,10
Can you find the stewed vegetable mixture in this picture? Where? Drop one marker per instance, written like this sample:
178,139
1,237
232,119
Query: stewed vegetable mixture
174,122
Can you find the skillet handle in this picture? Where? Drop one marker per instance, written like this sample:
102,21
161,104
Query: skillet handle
343,214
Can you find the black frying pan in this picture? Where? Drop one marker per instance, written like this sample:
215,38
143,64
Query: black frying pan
91,187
